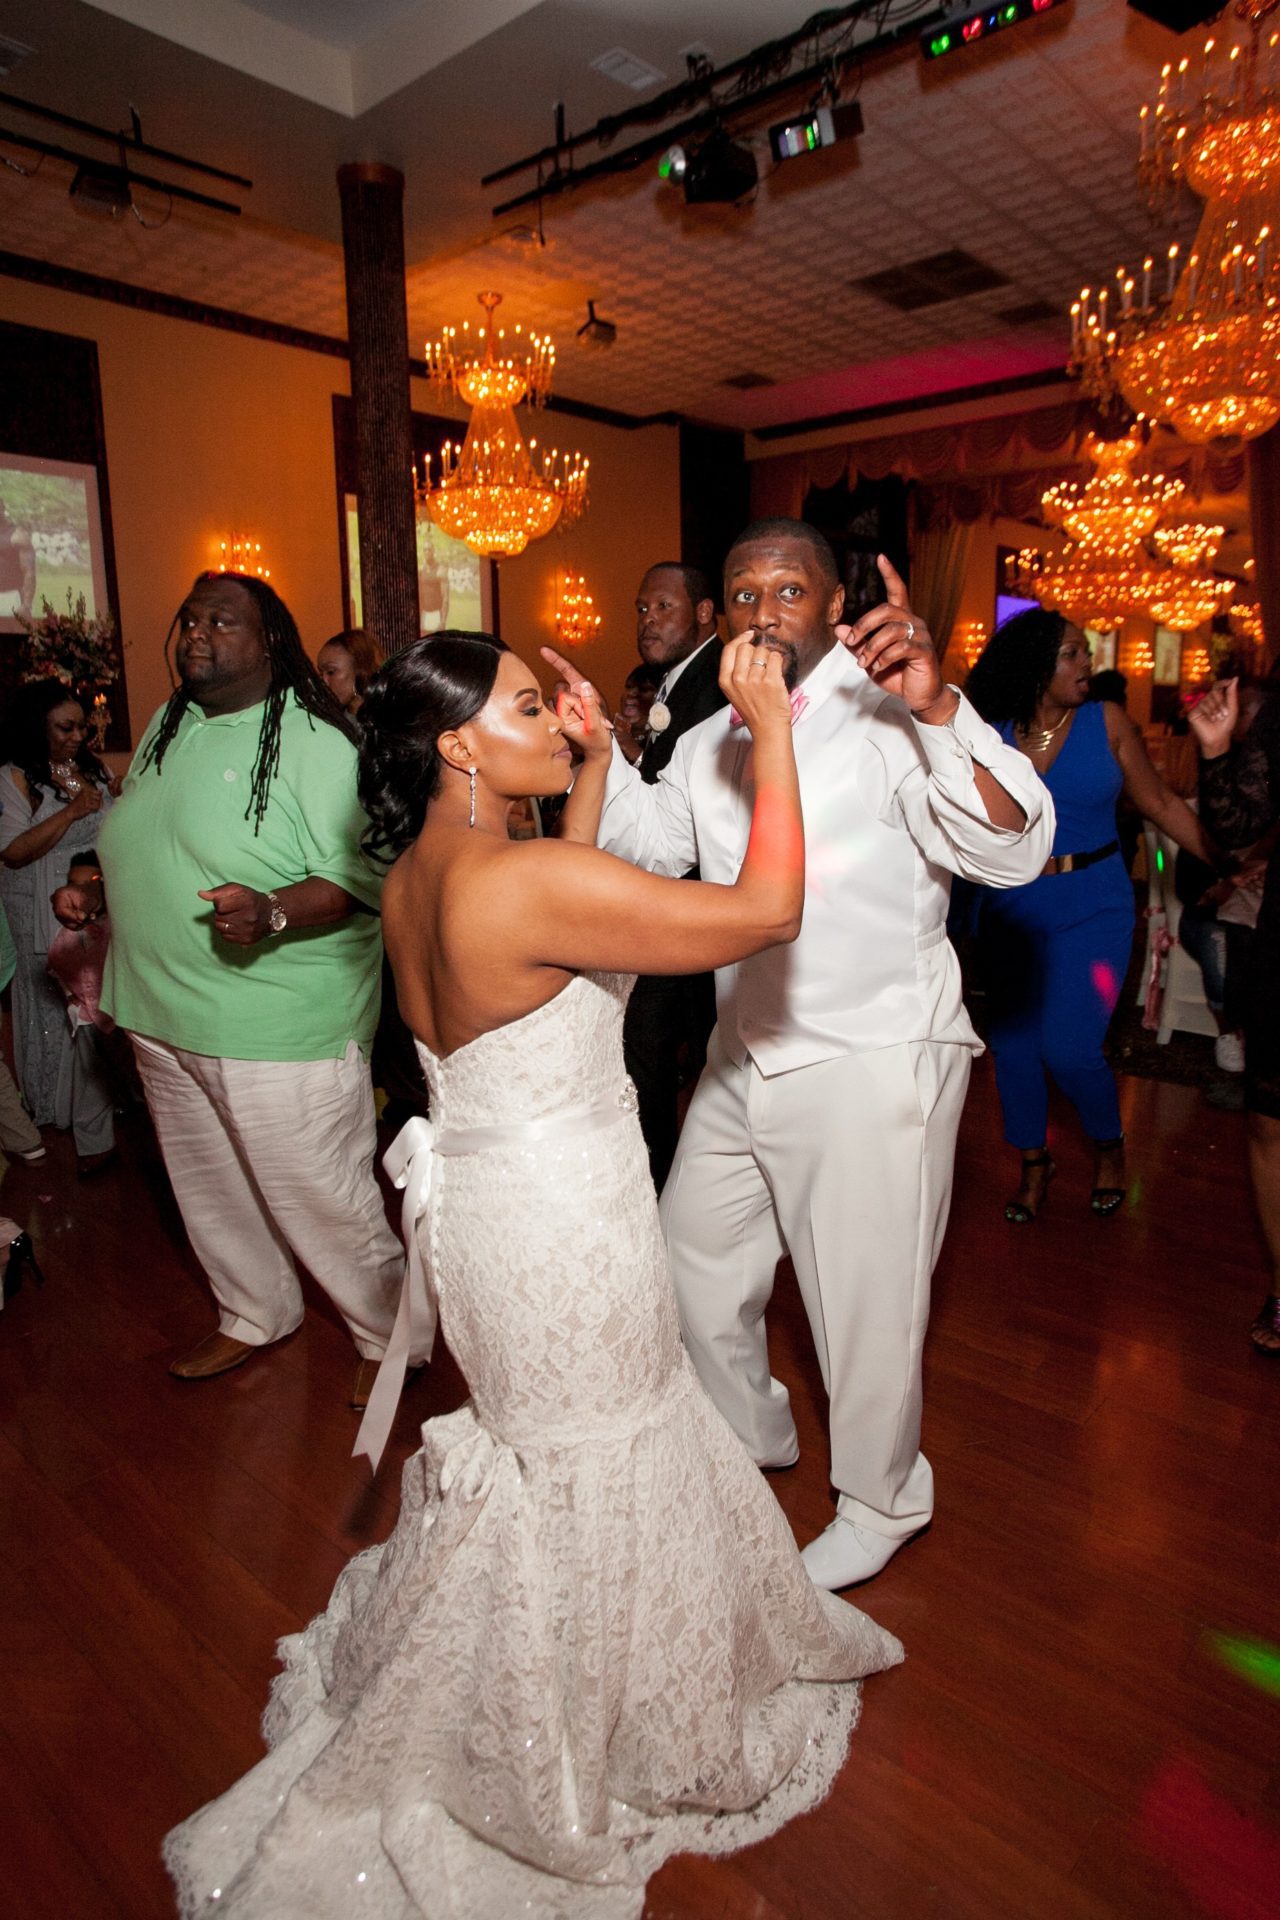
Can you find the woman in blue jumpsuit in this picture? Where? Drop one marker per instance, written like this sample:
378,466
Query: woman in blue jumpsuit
1057,950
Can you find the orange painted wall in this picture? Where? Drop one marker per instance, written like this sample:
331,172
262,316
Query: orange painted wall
208,431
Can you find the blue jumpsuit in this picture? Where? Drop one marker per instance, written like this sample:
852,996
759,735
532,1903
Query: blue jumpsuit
1057,951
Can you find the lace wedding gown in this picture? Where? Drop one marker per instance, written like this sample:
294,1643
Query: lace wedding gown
589,1642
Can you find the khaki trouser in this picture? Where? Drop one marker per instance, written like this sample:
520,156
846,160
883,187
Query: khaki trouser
269,1159
846,1166
18,1132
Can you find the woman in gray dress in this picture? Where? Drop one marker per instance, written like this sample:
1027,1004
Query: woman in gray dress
53,795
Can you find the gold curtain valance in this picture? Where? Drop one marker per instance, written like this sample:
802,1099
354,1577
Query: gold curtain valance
977,469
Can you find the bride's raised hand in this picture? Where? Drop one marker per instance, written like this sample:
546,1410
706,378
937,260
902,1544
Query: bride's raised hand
584,722
751,675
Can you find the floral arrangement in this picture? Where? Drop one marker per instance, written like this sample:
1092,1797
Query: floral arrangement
70,646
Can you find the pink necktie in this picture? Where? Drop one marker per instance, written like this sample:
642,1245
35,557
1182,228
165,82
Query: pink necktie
799,701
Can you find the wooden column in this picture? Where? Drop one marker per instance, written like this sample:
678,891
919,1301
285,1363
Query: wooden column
377,330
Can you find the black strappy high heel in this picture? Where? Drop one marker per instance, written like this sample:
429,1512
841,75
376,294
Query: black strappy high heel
22,1255
1106,1200
1017,1212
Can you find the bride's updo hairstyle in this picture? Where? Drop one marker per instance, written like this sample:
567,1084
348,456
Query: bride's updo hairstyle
431,687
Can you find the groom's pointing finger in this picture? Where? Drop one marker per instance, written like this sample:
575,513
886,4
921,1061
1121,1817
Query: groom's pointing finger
894,586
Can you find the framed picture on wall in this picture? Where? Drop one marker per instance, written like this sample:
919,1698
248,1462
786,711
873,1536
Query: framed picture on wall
456,587
51,543
1167,671
1102,649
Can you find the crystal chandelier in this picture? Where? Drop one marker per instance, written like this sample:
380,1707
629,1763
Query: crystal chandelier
494,492
1094,592
1114,504
1203,351
1188,544
1246,621
1105,573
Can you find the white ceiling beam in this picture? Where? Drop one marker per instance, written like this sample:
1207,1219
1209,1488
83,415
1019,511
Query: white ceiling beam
350,82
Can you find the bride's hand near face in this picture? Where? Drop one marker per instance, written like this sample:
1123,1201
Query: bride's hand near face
589,731
751,679
584,722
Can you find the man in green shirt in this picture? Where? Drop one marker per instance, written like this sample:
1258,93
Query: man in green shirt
245,963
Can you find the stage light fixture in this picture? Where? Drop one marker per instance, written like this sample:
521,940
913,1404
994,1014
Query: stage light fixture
969,24
101,190
719,172
821,128
595,332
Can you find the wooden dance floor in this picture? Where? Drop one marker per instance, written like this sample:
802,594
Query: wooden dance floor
1077,1732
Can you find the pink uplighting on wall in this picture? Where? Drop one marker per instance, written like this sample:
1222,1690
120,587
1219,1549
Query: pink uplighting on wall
908,376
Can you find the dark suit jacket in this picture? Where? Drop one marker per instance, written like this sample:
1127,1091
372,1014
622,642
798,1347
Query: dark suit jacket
695,696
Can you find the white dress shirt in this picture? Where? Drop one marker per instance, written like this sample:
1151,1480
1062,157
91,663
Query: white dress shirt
891,810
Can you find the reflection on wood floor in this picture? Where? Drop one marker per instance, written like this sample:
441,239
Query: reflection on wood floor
1066,1740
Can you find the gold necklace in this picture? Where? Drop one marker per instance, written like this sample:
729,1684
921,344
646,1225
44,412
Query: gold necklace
1036,739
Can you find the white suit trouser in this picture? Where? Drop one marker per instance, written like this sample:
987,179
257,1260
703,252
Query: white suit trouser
847,1166
271,1158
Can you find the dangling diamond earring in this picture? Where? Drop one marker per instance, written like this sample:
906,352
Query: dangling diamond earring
472,774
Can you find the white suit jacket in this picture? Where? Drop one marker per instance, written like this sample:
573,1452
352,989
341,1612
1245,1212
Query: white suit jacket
891,811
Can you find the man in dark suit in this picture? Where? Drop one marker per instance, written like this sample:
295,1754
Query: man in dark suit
676,636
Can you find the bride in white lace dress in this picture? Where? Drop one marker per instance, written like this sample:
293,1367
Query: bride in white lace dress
590,1642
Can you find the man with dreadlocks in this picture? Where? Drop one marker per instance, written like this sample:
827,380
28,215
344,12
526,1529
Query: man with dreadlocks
245,964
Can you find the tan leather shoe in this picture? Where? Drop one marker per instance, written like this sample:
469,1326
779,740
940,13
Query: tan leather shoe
217,1353
362,1385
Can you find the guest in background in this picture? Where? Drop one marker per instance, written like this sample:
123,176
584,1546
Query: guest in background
244,963
16,1253
55,795
1240,800
1111,685
631,721
347,664
19,1134
676,637
1056,951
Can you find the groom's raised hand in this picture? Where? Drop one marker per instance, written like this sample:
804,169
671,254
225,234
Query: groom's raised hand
894,646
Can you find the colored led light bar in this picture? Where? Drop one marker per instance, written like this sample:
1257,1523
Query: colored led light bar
978,24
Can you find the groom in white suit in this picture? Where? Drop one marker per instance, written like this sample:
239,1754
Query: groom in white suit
824,1125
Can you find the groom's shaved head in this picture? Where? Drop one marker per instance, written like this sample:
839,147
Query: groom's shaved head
780,532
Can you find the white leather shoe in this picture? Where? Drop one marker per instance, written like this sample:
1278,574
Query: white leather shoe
847,1553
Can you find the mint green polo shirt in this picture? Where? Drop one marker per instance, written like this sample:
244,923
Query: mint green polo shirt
299,995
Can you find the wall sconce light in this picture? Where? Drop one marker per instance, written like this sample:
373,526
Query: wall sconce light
1136,657
970,638
238,554
577,621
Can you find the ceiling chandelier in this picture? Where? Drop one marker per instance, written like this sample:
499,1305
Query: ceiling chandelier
1246,621
1105,573
1114,504
494,492
1202,351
